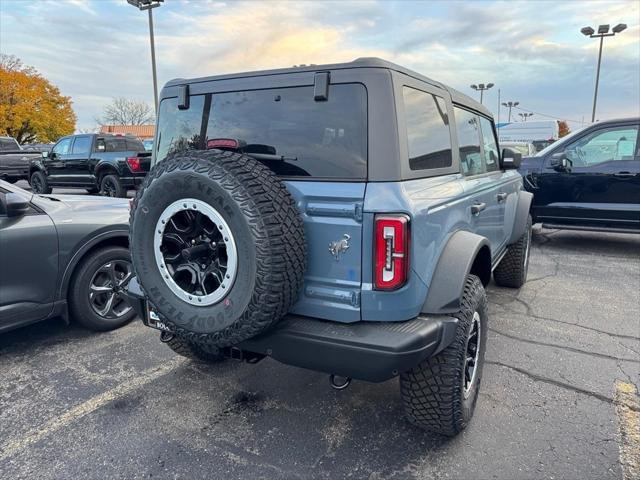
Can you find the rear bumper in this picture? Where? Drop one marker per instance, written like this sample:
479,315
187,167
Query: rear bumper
371,351
133,180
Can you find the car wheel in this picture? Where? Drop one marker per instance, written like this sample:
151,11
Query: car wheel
96,295
195,351
110,186
39,183
440,393
514,266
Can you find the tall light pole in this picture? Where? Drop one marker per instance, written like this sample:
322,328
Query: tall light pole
149,5
481,87
510,105
525,115
603,31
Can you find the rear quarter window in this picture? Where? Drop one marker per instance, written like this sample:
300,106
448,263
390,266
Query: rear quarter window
326,139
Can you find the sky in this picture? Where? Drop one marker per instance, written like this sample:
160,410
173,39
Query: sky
533,51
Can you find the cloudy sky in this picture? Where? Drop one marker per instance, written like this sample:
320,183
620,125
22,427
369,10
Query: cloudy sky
532,51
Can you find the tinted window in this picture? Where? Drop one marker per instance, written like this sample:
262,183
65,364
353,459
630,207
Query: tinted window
490,146
468,128
63,146
428,137
318,139
115,144
81,145
618,143
8,144
135,145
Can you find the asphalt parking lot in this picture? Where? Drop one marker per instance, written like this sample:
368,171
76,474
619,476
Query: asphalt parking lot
558,398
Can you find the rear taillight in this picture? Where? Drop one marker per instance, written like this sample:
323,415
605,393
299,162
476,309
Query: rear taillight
391,251
134,164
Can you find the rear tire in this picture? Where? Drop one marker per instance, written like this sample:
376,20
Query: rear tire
512,270
110,186
440,393
39,183
193,351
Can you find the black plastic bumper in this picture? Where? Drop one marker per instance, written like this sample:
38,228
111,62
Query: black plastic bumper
371,351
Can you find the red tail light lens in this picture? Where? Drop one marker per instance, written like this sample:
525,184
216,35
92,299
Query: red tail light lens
222,143
134,164
391,251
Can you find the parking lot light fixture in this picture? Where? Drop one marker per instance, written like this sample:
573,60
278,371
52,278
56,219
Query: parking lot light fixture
603,31
510,105
525,115
481,87
149,5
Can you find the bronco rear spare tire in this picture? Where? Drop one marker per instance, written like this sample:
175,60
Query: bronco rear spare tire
218,245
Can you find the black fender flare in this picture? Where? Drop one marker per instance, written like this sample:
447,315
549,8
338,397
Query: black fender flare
522,213
79,254
36,165
455,263
105,166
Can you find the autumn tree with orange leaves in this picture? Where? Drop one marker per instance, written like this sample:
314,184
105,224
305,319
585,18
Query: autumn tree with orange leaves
563,128
31,108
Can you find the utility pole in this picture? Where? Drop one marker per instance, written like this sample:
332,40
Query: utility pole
603,31
149,5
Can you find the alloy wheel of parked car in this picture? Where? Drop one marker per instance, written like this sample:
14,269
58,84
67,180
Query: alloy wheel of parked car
473,352
39,183
106,290
110,187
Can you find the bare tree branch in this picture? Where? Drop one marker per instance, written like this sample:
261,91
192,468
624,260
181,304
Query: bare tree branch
124,111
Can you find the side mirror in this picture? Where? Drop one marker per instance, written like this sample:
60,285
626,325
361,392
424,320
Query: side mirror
15,205
511,159
44,154
559,162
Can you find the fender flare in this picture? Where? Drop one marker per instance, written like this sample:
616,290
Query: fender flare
36,165
455,263
105,166
522,214
81,252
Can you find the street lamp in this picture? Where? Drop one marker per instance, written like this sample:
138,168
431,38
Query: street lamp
525,115
603,31
510,105
149,5
482,87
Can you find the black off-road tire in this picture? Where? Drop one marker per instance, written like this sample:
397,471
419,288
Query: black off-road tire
512,270
269,236
39,183
433,392
111,186
193,351
79,289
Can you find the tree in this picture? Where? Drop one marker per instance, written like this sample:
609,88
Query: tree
31,108
563,128
123,111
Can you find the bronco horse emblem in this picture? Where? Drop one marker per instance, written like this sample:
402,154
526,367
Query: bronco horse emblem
340,246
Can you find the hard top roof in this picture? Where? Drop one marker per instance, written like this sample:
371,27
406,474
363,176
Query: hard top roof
364,62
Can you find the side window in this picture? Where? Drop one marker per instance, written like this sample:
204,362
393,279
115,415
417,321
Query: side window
490,151
63,146
611,144
116,144
81,145
468,128
428,137
134,145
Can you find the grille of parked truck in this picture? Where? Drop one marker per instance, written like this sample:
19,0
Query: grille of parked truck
343,218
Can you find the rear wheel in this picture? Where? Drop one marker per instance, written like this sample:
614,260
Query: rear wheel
110,186
514,266
440,393
39,183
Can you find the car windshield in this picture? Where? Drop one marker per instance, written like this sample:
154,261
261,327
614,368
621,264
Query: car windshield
326,139
560,142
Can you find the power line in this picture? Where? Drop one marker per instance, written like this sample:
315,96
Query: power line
548,116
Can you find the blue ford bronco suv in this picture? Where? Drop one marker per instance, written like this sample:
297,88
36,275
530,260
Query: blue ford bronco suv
342,218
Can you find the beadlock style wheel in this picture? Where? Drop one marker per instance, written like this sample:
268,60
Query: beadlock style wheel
195,251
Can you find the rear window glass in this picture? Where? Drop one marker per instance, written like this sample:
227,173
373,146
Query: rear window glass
428,137
8,144
318,139
135,145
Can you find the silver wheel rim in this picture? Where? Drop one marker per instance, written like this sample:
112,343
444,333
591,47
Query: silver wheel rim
195,252
472,354
106,289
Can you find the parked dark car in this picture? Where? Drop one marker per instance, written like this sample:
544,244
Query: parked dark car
109,164
589,179
63,255
14,160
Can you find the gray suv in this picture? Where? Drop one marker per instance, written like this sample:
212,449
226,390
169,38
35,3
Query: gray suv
343,218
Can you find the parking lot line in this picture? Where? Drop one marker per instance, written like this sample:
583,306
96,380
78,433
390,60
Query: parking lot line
628,412
85,408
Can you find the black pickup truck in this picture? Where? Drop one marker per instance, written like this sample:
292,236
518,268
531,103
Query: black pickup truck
109,164
14,160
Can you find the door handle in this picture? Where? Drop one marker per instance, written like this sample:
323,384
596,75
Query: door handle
477,207
502,196
624,174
